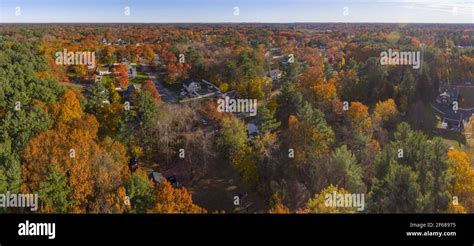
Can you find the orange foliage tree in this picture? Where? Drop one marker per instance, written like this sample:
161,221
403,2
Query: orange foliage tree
173,201
68,108
358,115
96,173
121,75
311,141
149,86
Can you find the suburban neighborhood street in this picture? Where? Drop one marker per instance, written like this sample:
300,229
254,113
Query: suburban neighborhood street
165,94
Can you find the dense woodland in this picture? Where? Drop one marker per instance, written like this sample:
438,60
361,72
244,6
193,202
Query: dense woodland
59,140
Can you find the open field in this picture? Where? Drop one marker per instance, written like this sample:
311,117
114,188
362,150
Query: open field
175,87
141,76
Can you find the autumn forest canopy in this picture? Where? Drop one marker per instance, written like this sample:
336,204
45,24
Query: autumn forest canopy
141,131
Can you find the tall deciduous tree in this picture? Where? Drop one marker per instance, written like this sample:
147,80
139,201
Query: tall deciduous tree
67,109
233,140
463,186
174,201
359,117
386,112
121,74
276,205
309,135
320,202
71,144
149,86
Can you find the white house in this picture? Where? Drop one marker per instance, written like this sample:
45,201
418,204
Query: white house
103,71
275,74
191,86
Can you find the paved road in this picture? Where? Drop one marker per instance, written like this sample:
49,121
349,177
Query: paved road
448,111
165,94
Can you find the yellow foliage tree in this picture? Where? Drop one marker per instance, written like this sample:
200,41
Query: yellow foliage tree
325,92
464,176
111,174
469,132
276,205
359,117
386,112
312,140
67,108
319,203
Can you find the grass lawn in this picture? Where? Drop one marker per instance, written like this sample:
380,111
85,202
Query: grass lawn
175,87
141,76
73,85
71,75
106,79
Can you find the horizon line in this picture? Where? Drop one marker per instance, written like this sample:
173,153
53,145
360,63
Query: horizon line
231,22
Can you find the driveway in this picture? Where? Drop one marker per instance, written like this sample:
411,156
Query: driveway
165,94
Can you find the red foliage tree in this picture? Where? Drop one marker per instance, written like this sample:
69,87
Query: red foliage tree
149,86
121,74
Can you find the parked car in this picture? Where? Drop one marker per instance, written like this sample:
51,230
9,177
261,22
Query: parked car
133,164
173,181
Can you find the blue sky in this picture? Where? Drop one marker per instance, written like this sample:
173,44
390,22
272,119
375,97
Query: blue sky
162,11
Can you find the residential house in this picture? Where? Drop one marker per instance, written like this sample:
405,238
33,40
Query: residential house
101,70
275,74
120,41
132,71
444,98
191,86
104,41
252,130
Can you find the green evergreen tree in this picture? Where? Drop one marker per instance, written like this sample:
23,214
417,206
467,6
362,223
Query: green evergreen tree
147,109
96,95
289,101
141,193
346,171
399,192
54,191
266,121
